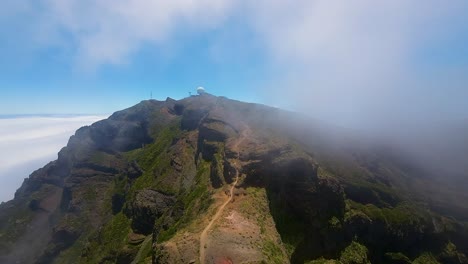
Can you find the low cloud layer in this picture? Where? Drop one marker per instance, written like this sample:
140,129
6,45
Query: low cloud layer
28,143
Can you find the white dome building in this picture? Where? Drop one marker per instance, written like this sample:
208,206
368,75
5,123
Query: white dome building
201,90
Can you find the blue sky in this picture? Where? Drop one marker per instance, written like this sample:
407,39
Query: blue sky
349,62
46,77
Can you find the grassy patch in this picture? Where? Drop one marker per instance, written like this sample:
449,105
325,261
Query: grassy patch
355,253
322,261
99,157
195,201
254,206
145,251
290,227
153,159
405,214
147,155
106,243
426,258
397,257
74,252
272,252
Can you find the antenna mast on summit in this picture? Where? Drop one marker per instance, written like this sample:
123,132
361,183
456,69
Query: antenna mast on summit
151,95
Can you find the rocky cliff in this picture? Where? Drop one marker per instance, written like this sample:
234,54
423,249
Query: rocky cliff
208,179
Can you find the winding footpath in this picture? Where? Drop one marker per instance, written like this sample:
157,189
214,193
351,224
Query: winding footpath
204,234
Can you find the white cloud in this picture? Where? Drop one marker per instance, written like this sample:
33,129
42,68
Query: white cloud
356,61
340,60
110,31
27,144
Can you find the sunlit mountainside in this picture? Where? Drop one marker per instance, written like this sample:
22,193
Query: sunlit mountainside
207,179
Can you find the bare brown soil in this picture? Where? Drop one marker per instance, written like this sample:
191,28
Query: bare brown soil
203,236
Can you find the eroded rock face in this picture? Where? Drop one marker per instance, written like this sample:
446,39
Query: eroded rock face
52,173
128,185
216,130
191,118
147,206
133,171
294,189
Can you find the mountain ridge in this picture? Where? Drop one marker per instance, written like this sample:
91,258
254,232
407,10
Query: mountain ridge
157,171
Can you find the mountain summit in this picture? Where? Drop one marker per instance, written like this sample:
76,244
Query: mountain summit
207,179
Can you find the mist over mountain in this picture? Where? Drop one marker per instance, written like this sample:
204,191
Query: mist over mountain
27,142
362,159
207,179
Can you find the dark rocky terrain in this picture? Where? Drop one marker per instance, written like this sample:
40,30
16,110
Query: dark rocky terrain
140,186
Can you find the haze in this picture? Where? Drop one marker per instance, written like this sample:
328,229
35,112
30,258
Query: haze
388,69
28,143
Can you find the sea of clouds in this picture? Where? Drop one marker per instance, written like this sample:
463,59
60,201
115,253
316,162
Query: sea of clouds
28,143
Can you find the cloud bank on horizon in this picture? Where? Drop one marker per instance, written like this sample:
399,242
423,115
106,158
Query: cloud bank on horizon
28,143
355,62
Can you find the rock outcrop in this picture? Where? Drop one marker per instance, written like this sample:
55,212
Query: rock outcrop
141,186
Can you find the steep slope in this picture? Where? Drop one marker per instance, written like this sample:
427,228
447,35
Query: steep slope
208,179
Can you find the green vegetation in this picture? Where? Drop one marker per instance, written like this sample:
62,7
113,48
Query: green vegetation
99,157
273,252
257,207
106,242
218,166
111,238
154,161
322,261
355,253
195,201
426,258
397,257
403,215
100,202
254,206
74,252
144,254
359,178
288,225
334,223
18,219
